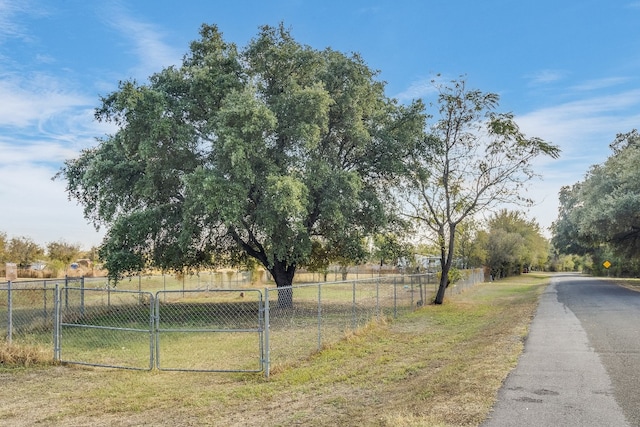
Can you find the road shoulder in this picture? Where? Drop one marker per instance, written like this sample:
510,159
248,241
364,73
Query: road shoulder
559,379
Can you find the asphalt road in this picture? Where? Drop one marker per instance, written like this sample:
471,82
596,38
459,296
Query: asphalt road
581,362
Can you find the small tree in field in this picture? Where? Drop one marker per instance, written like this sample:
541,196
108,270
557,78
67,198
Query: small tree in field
476,159
63,251
23,251
244,153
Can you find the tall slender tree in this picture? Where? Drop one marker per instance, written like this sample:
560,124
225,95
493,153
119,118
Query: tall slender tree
476,160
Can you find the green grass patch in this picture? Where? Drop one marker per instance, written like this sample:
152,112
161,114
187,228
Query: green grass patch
438,366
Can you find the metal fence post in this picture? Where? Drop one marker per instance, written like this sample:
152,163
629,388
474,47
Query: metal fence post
267,327
354,322
44,297
9,313
153,313
82,296
66,292
164,286
378,298
319,316
395,298
156,328
411,287
56,323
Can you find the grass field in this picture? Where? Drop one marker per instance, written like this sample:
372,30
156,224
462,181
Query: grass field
438,366
107,327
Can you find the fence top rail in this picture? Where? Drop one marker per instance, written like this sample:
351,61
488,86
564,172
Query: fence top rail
352,281
110,290
210,290
252,294
31,284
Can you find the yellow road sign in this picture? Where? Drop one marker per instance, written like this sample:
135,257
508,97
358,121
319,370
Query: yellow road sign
606,264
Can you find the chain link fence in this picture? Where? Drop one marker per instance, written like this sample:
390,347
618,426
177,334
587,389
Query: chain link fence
324,313
104,327
27,311
195,325
210,330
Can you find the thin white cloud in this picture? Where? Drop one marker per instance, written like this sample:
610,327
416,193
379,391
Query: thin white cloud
35,99
45,59
11,12
417,90
9,27
600,83
44,120
583,129
38,207
146,42
545,77
33,153
422,88
580,124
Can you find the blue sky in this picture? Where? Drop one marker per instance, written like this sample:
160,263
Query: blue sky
568,69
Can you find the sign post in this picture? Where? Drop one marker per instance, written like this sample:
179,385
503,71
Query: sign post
606,265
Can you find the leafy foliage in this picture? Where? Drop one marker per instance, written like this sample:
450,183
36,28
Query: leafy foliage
63,251
21,250
476,159
257,153
602,213
513,244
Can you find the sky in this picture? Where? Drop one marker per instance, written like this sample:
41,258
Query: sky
569,70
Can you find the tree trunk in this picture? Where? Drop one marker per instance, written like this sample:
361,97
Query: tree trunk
442,287
283,276
446,260
345,271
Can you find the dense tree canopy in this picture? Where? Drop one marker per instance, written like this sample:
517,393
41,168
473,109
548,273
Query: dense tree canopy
256,152
513,244
63,251
20,250
601,215
477,159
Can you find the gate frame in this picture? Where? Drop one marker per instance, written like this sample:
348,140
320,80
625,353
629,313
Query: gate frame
260,330
58,324
154,329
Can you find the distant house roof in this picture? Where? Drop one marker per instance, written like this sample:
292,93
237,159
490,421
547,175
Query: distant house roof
38,266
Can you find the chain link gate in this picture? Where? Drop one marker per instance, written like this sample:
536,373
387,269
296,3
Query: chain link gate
188,330
104,327
210,330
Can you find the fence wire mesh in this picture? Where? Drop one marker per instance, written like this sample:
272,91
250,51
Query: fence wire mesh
106,327
27,312
205,322
214,330
318,315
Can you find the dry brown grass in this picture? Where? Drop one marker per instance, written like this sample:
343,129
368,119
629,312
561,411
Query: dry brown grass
15,355
439,366
633,284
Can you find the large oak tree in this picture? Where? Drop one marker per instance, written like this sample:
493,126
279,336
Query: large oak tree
244,153
600,216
